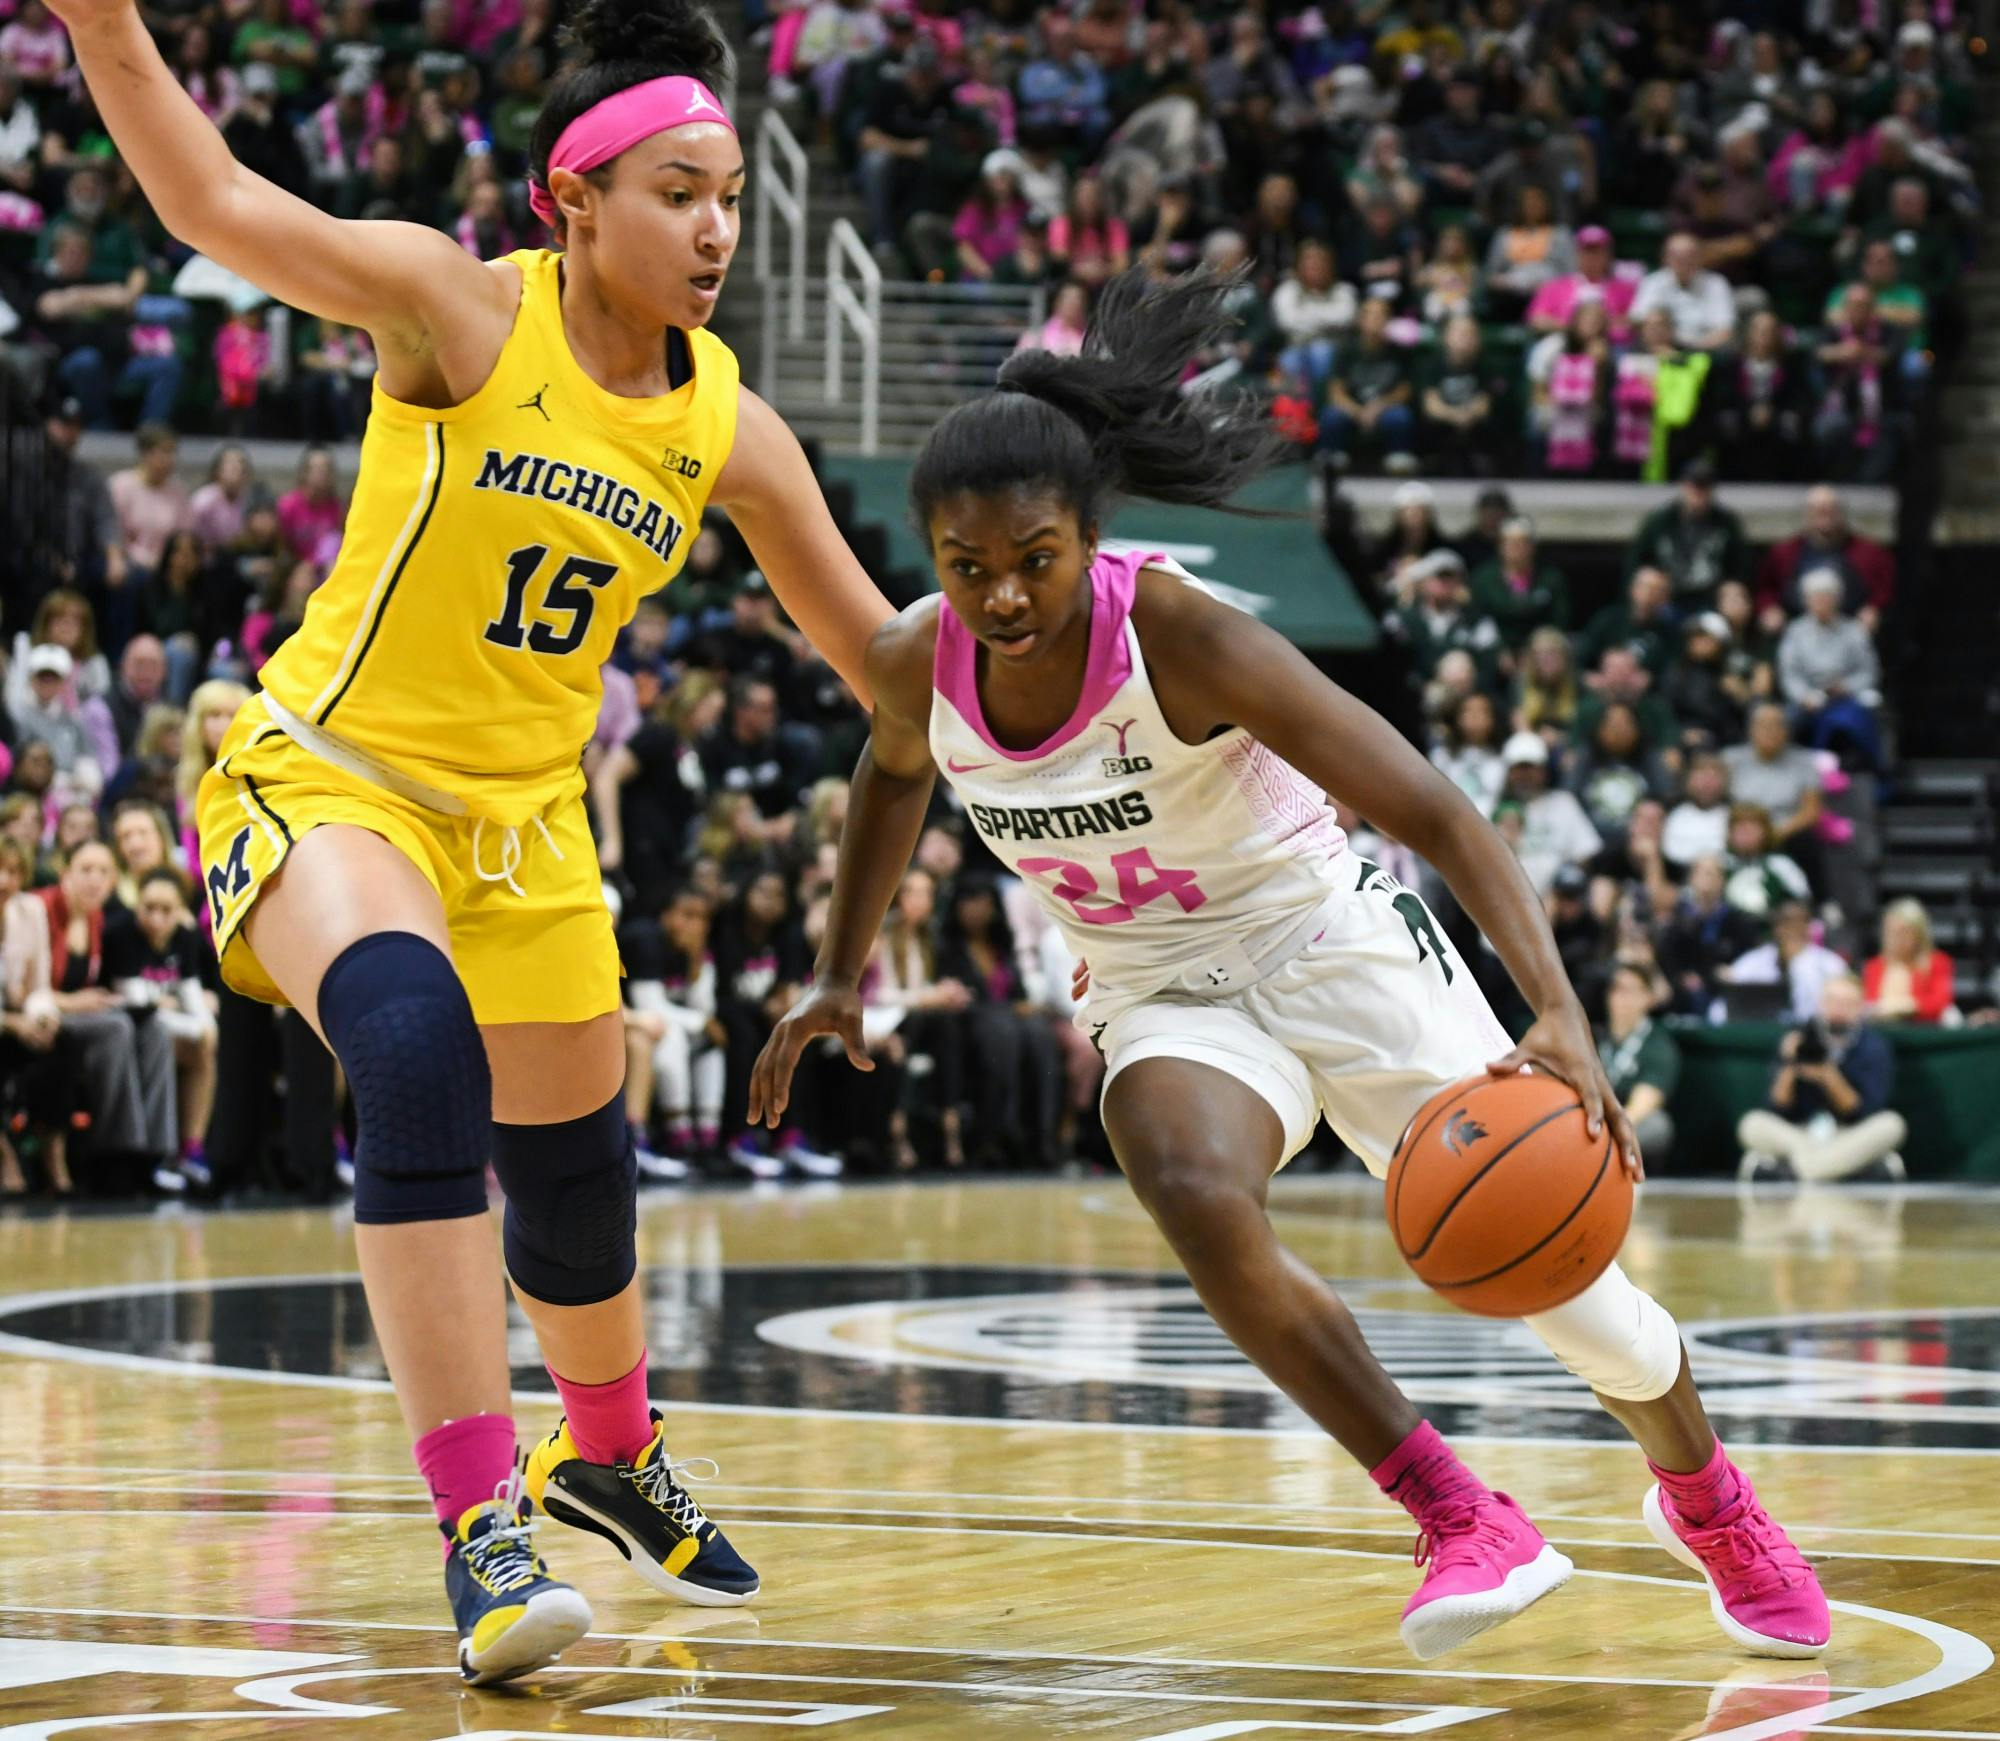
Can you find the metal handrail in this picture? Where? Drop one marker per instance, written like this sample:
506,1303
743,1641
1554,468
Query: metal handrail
776,142
863,312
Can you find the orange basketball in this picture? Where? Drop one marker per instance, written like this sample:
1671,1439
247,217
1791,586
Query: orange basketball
1500,1200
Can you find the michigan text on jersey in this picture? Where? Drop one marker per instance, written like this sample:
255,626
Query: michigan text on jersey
590,492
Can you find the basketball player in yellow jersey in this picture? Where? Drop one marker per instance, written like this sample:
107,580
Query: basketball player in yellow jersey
394,835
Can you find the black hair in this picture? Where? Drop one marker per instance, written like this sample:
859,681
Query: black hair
1113,421
622,43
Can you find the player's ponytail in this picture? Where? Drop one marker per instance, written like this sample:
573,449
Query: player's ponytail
1112,421
615,44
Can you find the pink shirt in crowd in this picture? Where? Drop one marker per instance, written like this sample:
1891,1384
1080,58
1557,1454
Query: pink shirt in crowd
310,526
1557,299
990,235
147,516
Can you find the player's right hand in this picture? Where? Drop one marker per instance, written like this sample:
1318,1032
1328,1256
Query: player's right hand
825,1009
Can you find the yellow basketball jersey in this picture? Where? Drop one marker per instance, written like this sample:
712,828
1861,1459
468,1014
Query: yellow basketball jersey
493,551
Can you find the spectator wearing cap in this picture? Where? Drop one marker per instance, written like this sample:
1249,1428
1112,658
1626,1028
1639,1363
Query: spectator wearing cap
1554,829
1597,273
1441,618
1517,589
1412,534
1826,544
1640,1059
51,714
1707,701
1311,310
335,138
150,502
1828,1114
989,222
1644,620
1828,671
1698,826
1460,395
1697,300
1455,145
1368,403
1694,538
1061,88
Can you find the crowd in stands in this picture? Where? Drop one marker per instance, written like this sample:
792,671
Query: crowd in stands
1583,239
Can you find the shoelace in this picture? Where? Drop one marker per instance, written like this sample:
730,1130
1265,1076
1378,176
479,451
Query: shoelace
510,854
503,1557
1752,1550
1451,1529
657,1481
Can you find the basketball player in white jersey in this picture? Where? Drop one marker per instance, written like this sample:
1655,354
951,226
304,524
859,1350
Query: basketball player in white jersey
1156,766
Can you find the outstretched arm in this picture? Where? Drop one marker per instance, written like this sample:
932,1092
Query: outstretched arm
388,277
770,492
885,814
1214,666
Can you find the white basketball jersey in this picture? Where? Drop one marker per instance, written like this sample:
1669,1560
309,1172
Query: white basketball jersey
1163,862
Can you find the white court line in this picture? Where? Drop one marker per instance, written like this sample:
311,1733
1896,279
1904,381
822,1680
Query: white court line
33,1348
981,1652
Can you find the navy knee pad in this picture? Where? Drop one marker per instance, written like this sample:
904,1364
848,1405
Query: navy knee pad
401,1025
572,1205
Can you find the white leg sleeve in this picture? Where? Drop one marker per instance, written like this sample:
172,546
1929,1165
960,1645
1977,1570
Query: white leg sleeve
710,1070
671,1072
1619,1341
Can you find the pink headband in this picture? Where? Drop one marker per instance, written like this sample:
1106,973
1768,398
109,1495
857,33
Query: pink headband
620,122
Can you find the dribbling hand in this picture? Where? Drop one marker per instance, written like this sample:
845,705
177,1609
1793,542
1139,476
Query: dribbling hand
825,1009
1561,1045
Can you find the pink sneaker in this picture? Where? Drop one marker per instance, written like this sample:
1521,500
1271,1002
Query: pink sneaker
1760,1589
1487,1562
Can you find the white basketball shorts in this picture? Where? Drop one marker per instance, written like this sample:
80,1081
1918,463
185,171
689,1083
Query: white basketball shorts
1363,1025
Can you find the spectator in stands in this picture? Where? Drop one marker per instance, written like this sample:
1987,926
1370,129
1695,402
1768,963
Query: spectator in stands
834,34
1554,830
905,976
312,512
1652,147
1517,589
1828,671
258,135
990,221
1062,333
895,139
1762,396
1455,146
153,961
1412,534
1760,877
217,509
1707,700
672,980
1529,251
1911,979
335,139
35,47
1701,935
1614,769
1826,544
1792,959
1776,774
1902,305
1697,541
1460,400
88,318
50,715
1526,162
1546,695
1751,659
1016,1092
1857,358
1640,1060
1061,89
150,501
1571,377
140,686
1597,276
1835,1067
753,752
62,619
1926,245
141,841
1730,241
1621,679
1466,750
1382,172
1449,280
1312,310
1368,409
280,611
1644,620
1088,241
1276,231
1698,826
1697,300
1380,251
1479,543
1441,617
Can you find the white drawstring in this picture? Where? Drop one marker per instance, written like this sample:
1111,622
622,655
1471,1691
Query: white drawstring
510,854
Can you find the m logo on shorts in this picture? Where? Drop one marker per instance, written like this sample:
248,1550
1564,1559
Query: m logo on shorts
1461,1131
231,877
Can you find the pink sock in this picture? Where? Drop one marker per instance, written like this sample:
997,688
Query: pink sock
1705,1495
608,1423
464,1460
1424,1472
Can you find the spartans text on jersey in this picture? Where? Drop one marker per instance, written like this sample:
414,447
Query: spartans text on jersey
1062,821
576,486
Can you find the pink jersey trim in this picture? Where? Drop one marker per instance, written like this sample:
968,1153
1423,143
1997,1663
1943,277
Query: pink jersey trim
1107,667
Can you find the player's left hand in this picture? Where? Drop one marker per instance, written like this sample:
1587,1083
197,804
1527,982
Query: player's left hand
1561,1044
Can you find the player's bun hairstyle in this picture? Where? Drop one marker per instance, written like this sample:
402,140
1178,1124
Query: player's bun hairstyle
1113,421
616,44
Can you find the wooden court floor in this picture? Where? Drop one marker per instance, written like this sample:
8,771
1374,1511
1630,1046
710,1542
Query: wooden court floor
1001,1478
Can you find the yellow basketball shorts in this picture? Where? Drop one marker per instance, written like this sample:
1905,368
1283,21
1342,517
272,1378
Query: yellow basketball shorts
545,954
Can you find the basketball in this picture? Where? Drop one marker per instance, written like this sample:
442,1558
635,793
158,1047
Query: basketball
1500,1199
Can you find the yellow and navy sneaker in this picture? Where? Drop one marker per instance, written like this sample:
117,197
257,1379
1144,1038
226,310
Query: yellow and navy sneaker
512,1616
641,1508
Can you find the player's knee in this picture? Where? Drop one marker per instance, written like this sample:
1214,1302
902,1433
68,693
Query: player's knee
1190,1192
572,1218
399,1021
1619,1341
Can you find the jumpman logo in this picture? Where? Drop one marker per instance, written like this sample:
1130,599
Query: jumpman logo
535,404
698,101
